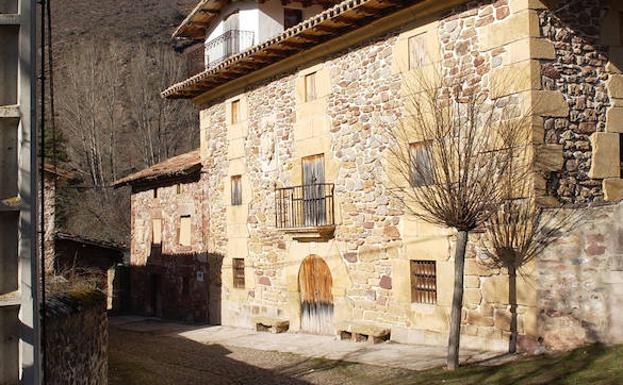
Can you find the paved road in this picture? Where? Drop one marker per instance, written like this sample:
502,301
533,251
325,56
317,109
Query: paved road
151,357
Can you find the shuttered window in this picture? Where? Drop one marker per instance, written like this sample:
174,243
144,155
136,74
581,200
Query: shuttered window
236,190
235,111
310,87
421,165
424,282
185,230
418,55
238,271
314,196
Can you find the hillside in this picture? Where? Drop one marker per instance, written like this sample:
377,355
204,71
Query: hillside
111,60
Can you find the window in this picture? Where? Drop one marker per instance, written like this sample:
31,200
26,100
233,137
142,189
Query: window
421,164
291,17
156,232
179,188
314,195
235,112
310,87
418,56
238,270
185,230
156,193
423,282
236,190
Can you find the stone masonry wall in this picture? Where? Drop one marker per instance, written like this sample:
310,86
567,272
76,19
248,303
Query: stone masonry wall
174,281
76,339
580,283
374,239
579,73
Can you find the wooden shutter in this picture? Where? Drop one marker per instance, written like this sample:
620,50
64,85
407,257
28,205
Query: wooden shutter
314,208
421,164
424,282
238,272
418,54
236,190
310,87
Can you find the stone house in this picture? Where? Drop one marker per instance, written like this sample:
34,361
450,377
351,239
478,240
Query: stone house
169,265
293,117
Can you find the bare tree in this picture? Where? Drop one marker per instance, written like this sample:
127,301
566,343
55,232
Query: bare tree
448,160
522,226
162,126
89,105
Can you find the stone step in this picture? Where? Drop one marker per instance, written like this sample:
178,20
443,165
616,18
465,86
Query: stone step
9,111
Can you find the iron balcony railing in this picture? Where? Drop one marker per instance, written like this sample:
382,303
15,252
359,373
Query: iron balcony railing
218,49
305,206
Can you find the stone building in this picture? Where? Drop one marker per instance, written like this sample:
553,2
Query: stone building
295,114
169,265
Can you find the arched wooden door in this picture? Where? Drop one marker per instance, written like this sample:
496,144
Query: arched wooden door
316,290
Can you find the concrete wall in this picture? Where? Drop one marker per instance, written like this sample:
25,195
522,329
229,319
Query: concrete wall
76,339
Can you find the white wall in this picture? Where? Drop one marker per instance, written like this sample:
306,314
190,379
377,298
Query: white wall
265,20
271,17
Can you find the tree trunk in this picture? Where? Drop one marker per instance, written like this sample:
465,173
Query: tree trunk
452,361
512,300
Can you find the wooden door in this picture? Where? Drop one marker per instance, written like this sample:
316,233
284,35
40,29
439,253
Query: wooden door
314,211
316,291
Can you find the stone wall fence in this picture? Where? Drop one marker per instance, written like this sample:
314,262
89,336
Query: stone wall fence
76,338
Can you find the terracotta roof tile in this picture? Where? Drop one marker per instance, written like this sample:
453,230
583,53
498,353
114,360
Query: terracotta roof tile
180,165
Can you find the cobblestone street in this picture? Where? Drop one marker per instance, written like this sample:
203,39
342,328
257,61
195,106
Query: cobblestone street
152,352
149,357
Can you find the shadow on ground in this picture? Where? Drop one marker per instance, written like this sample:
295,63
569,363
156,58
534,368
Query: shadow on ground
138,358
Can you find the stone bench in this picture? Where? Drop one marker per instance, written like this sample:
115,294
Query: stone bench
362,332
269,324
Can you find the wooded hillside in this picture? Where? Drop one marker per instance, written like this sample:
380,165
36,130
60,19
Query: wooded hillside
111,60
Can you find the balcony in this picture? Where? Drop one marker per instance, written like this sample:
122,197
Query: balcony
307,212
217,50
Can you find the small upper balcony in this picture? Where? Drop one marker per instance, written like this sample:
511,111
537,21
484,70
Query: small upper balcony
307,212
215,51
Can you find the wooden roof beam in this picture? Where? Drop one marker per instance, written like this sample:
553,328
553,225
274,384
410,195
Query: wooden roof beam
347,19
326,28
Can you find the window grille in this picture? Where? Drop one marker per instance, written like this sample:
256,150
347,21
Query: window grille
424,282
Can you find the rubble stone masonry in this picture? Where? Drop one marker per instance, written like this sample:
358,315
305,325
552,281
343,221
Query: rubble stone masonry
560,70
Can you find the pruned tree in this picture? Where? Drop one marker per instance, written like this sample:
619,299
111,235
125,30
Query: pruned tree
523,225
448,160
